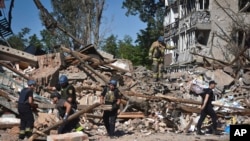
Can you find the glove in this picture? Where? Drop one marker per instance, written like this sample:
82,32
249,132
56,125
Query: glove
65,117
114,107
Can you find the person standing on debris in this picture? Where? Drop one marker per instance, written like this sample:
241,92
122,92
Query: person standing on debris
207,109
65,110
25,106
68,91
111,96
156,53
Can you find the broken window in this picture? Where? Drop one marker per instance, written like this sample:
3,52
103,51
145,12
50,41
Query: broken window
202,36
203,4
244,5
238,36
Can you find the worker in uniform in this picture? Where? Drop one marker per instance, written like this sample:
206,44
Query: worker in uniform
25,106
207,109
68,91
156,54
111,96
65,110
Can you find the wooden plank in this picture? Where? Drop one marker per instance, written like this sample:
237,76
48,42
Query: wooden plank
80,107
128,115
77,114
131,115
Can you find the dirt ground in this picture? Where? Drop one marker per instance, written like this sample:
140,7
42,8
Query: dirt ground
140,137
12,135
165,137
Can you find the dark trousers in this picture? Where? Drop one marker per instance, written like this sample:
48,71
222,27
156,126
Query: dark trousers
68,126
109,118
27,119
208,110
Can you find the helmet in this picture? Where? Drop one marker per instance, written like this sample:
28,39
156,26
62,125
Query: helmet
63,79
55,94
113,82
31,82
161,39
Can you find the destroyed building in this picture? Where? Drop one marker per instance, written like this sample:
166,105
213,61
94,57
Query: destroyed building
147,107
197,28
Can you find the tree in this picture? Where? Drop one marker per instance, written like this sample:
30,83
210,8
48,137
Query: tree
81,18
34,41
126,50
18,41
110,45
48,40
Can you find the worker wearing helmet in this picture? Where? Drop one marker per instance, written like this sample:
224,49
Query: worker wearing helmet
156,53
65,109
25,106
110,96
67,91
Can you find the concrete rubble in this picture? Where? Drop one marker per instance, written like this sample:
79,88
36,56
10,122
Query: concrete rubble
147,107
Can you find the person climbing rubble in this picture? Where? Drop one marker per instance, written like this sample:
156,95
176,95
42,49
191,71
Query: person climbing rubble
65,109
110,96
25,107
156,54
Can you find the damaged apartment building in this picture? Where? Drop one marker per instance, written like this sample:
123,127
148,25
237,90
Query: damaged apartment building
210,28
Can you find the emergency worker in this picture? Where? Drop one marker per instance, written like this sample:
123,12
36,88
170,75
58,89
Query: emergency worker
111,96
207,109
68,91
156,54
25,106
65,110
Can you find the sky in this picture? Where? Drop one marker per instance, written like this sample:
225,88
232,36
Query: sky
26,14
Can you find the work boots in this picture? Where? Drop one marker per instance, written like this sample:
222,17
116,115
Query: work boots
216,132
198,132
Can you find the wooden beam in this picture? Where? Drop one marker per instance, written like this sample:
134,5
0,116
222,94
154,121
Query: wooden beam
225,64
76,115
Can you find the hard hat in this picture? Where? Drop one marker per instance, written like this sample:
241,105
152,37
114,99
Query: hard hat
161,39
113,82
63,79
31,82
55,94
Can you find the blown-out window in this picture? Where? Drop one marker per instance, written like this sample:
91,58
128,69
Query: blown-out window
244,5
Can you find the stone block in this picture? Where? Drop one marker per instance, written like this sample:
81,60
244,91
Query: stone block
220,77
74,136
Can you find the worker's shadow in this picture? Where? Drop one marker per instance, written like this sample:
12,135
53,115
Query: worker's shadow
120,133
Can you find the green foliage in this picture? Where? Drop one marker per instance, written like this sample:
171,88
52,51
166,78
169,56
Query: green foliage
48,39
19,41
22,39
110,45
34,41
126,50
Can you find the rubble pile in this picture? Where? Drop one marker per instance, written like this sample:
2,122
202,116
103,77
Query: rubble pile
169,105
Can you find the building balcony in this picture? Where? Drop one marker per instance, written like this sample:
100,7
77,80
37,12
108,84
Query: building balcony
200,20
171,29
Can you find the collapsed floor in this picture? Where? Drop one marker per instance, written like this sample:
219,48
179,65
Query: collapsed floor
147,106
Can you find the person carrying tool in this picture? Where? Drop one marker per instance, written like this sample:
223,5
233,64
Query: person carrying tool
65,110
156,54
111,96
207,109
25,107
